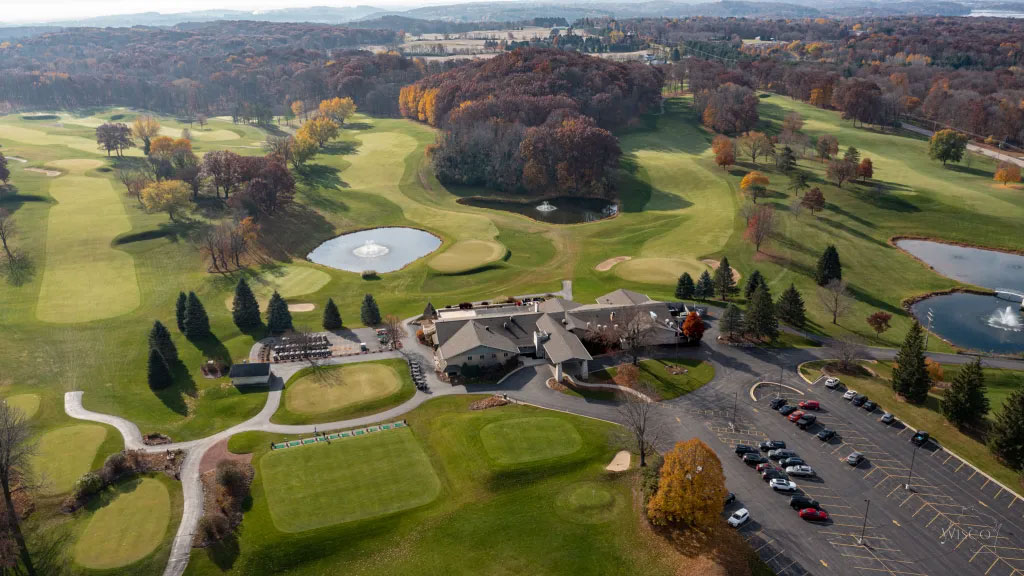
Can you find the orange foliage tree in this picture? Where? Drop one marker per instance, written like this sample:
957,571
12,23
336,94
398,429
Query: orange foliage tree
691,489
693,327
755,184
725,150
934,370
1007,173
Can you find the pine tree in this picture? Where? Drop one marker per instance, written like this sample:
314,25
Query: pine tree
1006,437
279,319
731,323
829,267
910,377
332,318
369,313
685,288
157,372
179,311
786,160
197,323
160,340
761,320
724,281
852,155
245,310
705,286
791,308
753,281
965,401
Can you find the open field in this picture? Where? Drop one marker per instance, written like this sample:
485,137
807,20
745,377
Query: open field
64,454
525,440
27,403
345,391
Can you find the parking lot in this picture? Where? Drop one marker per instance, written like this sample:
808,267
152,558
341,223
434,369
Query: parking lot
951,520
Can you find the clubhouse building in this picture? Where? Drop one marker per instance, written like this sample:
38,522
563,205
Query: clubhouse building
553,330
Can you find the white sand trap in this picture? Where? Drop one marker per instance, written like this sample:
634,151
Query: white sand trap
607,264
50,173
620,463
714,266
17,159
301,307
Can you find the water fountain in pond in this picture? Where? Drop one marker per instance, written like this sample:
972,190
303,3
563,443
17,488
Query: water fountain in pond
371,249
1007,319
546,206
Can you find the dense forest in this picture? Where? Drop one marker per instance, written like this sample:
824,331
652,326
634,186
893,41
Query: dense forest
533,120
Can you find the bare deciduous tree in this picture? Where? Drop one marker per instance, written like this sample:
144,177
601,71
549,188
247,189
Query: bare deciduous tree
16,450
847,350
7,231
836,299
636,412
634,330
393,329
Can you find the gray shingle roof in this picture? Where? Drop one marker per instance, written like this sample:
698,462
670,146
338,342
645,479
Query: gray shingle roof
561,344
557,305
249,370
473,334
622,297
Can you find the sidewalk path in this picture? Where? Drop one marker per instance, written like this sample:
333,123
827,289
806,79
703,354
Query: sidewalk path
972,147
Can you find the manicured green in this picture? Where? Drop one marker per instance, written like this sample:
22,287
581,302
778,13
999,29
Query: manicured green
526,440
27,403
331,393
126,528
655,373
64,454
466,255
588,503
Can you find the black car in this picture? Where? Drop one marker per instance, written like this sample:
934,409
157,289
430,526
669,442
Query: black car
777,403
772,474
753,458
730,498
781,454
826,434
742,449
772,445
794,461
801,502
787,410
869,405
805,421
859,400
920,438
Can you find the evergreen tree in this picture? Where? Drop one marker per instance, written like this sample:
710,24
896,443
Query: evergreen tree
761,320
245,310
828,268
179,311
753,281
852,155
910,377
157,372
369,313
279,319
160,340
786,160
685,288
731,323
705,286
724,281
332,318
197,323
791,307
1006,438
965,401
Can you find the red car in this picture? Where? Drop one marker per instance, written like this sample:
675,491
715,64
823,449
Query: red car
796,415
764,466
814,515
810,405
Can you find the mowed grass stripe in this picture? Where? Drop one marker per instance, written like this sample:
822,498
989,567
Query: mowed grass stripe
532,439
466,255
64,454
351,479
337,388
85,278
127,528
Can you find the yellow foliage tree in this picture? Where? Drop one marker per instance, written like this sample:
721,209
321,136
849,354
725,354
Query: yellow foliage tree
691,488
303,148
755,184
169,196
146,128
337,109
320,130
167,147
1007,173
298,108
934,370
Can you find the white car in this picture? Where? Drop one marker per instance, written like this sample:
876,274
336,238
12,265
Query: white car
739,518
832,383
800,470
887,418
850,395
783,485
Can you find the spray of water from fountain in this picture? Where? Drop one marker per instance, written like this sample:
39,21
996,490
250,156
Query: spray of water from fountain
371,249
1007,319
546,206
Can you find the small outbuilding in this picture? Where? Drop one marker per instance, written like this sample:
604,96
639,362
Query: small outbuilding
250,373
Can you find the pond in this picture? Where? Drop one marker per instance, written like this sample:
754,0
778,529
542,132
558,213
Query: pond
974,321
377,249
561,210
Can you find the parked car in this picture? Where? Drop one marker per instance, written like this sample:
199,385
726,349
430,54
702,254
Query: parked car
801,501
832,383
814,515
783,485
730,498
854,458
787,410
777,403
807,420
739,517
772,445
793,461
793,417
870,405
781,453
774,474
849,395
920,438
742,449
809,405
887,418
859,400
753,458
766,466
800,470
826,434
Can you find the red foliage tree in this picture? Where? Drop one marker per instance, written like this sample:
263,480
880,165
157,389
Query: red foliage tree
693,327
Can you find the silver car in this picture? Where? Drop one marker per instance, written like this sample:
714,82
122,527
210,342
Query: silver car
800,470
887,418
854,458
832,383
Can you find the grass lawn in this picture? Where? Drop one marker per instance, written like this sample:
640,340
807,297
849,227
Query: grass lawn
27,403
122,528
562,515
64,454
345,391
289,280
525,440
657,373
466,255
929,415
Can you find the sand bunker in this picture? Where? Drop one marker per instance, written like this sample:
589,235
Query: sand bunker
50,173
301,307
714,266
620,463
17,159
607,264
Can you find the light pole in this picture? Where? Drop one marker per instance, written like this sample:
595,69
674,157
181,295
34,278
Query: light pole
931,317
910,473
864,527
735,400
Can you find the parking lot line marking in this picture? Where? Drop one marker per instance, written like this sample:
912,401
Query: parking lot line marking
823,563
972,475
959,467
1012,501
895,522
947,459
